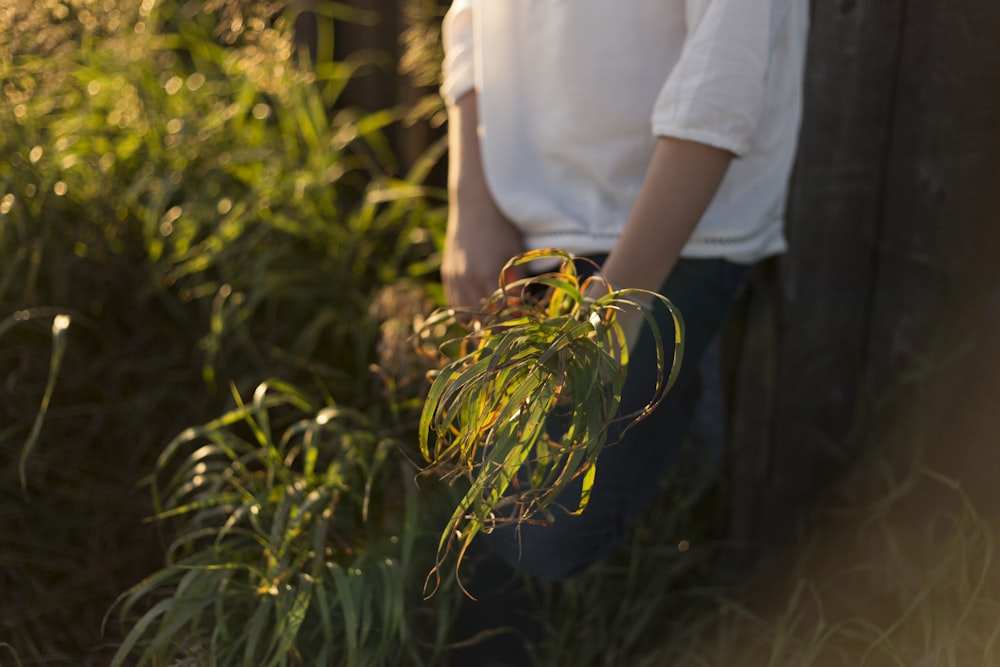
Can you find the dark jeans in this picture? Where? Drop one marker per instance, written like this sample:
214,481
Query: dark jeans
629,473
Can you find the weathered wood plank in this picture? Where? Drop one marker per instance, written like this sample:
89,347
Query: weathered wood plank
834,212
376,38
939,247
751,346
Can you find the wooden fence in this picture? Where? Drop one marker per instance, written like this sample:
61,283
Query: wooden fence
894,236
892,226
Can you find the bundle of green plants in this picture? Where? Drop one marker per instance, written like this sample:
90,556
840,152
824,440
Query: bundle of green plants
300,539
530,384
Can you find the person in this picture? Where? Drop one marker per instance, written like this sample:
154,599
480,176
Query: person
655,136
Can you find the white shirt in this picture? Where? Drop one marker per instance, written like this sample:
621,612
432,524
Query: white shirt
573,93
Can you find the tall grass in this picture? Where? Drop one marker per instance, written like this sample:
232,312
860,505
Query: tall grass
298,538
882,584
174,182
899,563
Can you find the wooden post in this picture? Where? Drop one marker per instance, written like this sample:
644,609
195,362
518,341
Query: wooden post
377,86
822,312
892,227
939,244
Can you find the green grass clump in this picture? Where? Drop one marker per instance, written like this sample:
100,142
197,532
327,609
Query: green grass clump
298,536
523,358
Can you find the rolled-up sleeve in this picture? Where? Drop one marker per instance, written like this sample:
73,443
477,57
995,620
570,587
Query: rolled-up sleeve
458,71
715,93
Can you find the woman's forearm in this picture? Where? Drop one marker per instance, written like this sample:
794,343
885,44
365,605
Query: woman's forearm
682,179
466,178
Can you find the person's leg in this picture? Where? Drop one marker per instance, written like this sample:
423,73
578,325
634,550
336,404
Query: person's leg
496,628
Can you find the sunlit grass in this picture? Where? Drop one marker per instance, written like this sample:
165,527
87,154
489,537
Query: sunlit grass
60,322
922,610
899,568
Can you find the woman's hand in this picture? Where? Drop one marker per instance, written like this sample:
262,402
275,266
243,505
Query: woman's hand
479,242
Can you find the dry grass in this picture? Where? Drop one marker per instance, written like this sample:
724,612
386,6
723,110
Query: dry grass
900,568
